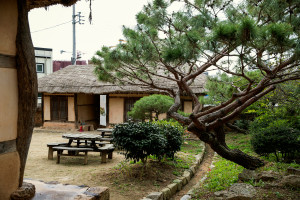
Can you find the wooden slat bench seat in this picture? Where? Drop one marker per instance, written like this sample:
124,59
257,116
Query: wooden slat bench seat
89,142
50,148
107,149
76,151
108,135
107,139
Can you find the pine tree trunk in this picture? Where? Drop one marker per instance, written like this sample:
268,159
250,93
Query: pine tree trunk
217,142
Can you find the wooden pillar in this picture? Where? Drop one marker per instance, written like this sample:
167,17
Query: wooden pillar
76,110
27,85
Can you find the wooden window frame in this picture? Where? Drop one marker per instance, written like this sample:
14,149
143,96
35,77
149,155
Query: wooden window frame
134,99
59,99
43,67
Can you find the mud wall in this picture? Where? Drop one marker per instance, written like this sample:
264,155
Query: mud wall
116,110
9,158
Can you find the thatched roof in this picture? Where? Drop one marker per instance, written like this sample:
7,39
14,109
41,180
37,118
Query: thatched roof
44,3
82,79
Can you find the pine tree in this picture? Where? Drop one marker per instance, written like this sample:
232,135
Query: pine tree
178,45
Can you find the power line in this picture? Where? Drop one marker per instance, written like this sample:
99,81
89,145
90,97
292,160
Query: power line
51,27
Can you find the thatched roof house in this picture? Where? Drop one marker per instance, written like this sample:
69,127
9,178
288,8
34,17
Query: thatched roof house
82,79
74,95
44,3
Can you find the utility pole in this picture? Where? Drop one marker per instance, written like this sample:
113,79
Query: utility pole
73,59
80,21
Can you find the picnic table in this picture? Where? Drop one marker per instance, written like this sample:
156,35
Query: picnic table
105,131
84,143
89,139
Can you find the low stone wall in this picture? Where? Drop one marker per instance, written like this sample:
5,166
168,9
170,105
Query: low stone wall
171,189
189,194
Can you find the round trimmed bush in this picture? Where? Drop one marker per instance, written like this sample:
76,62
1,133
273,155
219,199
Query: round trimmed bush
140,140
172,131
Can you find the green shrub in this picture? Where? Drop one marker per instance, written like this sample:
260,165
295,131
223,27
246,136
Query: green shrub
171,122
242,124
277,138
172,131
149,107
140,140
183,113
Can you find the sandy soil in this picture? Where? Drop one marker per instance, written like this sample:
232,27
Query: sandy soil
71,170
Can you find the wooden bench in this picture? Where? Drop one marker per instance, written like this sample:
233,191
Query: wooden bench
107,149
72,151
50,148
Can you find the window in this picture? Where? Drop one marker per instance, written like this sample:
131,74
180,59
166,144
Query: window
59,108
39,99
129,102
40,67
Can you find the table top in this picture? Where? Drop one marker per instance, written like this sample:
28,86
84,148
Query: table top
82,136
105,129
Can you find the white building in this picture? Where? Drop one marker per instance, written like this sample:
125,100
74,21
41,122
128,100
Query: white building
43,59
44,65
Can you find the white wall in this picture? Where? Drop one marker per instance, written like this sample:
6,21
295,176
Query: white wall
44,55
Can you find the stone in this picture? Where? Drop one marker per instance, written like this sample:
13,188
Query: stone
52,182
291,170
291,181
241,191
268,176
101,193
166,193
155,196
187,175
84,197
198,158
269,185
248,175
192,170
179,183
173,188
26,192
186,197
184,180
221,193
238,191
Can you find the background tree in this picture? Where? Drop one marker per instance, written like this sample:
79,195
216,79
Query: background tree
177,45
150,107
221,87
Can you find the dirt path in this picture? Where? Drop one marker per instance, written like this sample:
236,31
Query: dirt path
203,168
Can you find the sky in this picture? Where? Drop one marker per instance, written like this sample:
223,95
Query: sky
52,28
